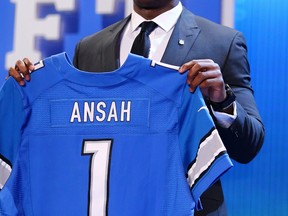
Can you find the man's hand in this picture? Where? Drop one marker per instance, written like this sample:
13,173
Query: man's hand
206,74
21,71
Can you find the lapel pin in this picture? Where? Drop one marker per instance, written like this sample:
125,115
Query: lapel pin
181,42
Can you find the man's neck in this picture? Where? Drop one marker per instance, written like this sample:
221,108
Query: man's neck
150,13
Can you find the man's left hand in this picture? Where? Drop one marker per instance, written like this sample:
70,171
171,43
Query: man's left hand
206,74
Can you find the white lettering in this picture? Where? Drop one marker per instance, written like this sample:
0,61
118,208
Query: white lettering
101,111
112,113
75,113
101,105
126,111
26,18
88,111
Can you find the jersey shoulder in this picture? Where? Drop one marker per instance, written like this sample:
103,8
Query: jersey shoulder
47,73
161,77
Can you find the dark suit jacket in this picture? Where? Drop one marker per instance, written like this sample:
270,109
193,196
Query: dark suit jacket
203,39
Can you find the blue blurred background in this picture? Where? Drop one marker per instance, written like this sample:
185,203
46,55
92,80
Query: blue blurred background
38,28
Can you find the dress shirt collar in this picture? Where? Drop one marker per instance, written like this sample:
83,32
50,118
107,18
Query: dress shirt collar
172,15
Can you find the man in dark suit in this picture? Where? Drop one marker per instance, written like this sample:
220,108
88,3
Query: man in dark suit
214,55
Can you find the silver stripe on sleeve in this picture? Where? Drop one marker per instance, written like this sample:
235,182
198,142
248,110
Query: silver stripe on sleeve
5,170
207,153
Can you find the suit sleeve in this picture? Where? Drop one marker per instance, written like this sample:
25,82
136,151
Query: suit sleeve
245,137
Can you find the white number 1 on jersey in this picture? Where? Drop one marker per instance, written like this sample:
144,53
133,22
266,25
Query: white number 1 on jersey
99,173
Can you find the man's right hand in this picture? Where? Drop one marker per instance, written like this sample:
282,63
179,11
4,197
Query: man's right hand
21,71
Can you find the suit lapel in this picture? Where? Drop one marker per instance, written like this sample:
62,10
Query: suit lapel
111,46
181,40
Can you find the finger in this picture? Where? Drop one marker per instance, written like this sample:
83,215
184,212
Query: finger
24,67
204,60
29,64
196,80
203,77
195,71
18,76
200,64
186,66
204,66
21,67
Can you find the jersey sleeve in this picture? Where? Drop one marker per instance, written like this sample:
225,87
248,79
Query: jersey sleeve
204,155
12,117
7,204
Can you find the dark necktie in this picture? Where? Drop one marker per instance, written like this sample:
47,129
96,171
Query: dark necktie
141,44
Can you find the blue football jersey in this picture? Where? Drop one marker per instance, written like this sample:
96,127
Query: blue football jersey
130,142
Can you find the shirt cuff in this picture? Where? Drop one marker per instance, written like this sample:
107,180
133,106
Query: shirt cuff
223,119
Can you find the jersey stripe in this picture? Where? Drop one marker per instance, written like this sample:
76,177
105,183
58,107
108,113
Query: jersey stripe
209,150
5,170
